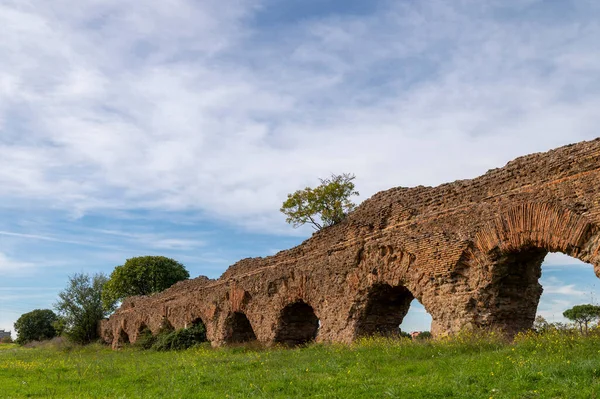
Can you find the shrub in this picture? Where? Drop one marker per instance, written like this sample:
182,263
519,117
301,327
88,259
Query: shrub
58,343
145,339
403,334
6,340
180,339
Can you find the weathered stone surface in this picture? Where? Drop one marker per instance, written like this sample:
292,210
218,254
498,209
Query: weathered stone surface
469,251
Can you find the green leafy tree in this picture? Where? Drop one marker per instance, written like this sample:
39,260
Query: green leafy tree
36,325
143,275
322,206
81,308
60,325
582,315
404,334
180,339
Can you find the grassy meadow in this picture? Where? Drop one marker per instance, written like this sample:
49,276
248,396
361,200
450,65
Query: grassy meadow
552,365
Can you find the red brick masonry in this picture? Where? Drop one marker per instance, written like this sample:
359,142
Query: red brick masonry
469,251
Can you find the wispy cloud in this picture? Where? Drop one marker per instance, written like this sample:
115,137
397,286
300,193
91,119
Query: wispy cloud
160,241
565,288
569,289
32,236
188,107
10,266
559,260
142,240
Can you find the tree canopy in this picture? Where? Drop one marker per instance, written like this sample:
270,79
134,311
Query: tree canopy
143,275
81,307
583,315
37,325
322,206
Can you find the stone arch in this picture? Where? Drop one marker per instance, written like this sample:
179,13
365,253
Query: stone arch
544,226
238,329
196,322
142,328
123,337
165,325
200,332
383,311
510,252
297,324
513,296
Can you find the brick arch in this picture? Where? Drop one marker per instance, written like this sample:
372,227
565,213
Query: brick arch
238,329
384,285
142,327
508,254
382,310
540,225
195,321
123,337
297,324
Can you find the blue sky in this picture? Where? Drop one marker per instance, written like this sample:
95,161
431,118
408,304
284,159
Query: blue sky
178,127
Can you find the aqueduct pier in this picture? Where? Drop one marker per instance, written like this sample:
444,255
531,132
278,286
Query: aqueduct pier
469,251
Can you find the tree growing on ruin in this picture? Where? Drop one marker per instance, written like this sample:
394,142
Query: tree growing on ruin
143,275
322,206
37,325
583,315
81,308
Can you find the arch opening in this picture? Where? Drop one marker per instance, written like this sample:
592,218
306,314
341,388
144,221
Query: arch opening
143,329
197,322
198,330
123,337
238,329
514,301
165,326
516,295
385,309
144,337
297,325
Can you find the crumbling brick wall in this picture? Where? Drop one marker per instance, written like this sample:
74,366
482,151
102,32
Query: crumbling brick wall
469,251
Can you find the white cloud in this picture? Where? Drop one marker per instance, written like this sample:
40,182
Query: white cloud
93,238
10,266
569,289
161,241
553,310
557,259
185,106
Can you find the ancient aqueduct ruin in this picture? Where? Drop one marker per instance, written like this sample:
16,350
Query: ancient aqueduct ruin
469,251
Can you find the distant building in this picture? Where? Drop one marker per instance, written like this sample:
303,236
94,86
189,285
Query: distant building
4,334
415,334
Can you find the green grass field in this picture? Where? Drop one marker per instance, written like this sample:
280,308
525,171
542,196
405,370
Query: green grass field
553,365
